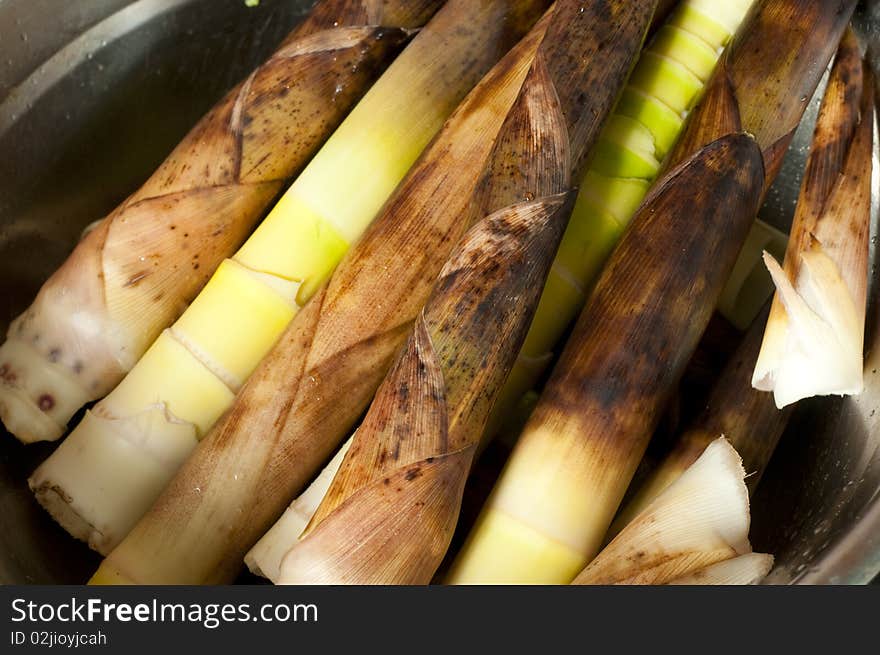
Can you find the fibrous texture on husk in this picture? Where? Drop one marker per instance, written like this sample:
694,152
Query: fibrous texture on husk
746,569
699,520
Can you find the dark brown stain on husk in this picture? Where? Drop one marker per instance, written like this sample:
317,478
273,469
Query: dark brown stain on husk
774,65
654,299
748,418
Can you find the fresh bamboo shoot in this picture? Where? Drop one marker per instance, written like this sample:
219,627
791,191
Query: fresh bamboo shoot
568,473
551,505
106,475
815,335
135,271
306,396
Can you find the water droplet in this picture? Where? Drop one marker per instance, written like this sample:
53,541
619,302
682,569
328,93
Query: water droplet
198,490
24,37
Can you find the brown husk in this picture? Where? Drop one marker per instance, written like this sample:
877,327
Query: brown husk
831,223
747,418
654,299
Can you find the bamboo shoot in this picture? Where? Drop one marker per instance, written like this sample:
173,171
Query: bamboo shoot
815,335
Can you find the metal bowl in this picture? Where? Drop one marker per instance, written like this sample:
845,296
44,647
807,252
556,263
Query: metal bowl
94,94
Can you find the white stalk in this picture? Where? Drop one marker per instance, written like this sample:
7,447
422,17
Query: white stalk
264,559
